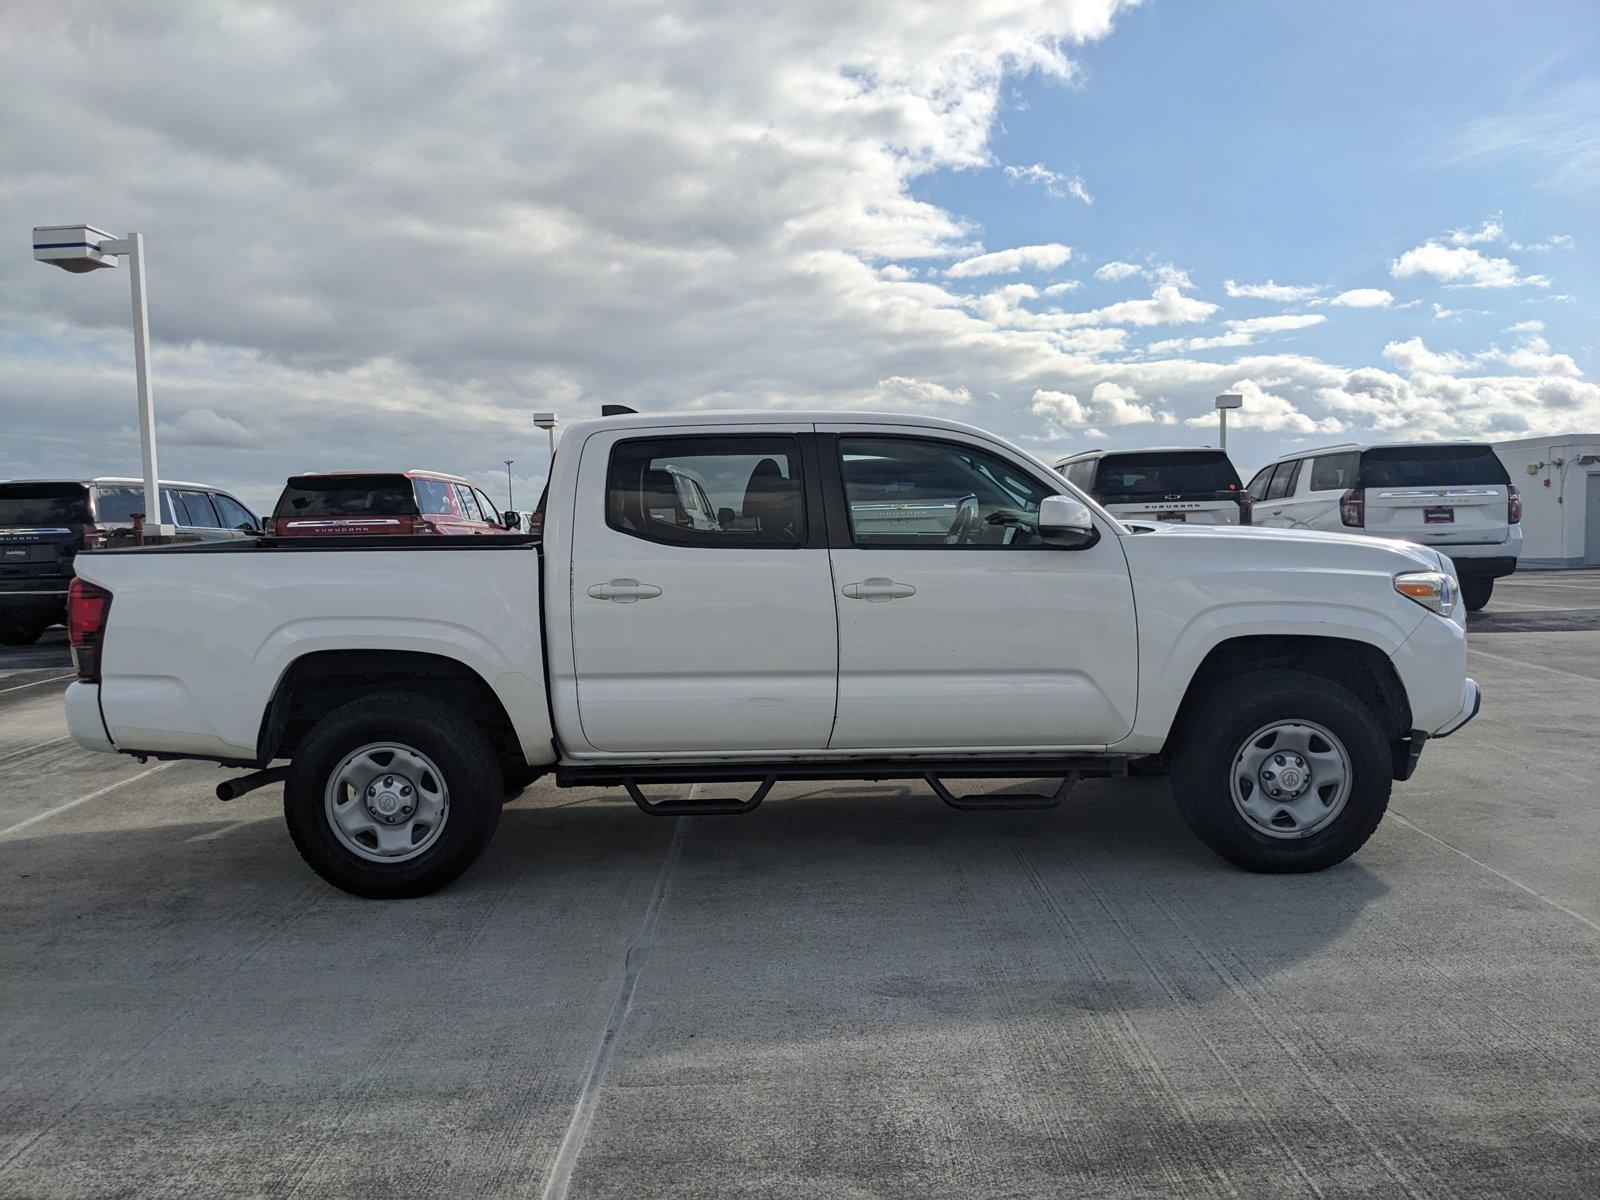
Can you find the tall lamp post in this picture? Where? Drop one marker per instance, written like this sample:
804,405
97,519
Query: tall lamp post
547,422
83,248
1224,402
510,501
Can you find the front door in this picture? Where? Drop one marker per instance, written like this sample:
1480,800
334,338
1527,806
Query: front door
702,603
958,627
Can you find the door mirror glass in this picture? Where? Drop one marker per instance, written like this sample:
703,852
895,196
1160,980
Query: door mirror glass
1065,522
511,519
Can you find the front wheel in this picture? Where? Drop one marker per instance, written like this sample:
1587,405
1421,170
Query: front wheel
392,796
1282,771
1475,593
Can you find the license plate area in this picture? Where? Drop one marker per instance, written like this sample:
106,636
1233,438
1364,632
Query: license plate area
1438,515
1172,516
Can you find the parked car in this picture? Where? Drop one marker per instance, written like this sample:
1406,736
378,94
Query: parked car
44,523
1163,483
395,503
1455,496
411,682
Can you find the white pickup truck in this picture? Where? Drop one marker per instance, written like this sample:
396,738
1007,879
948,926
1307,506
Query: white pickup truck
747,598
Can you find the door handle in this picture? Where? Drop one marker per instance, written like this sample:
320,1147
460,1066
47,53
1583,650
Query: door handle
878,590
624,591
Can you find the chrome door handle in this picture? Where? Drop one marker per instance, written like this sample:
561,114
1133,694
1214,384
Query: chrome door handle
624,591
878,590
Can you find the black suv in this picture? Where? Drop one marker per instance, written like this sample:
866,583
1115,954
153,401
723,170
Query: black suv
45,522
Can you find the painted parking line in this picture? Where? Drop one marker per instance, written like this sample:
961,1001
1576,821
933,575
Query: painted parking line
37,682
94,795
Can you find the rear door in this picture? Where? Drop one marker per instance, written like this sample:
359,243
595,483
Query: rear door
1436,495
957,627
42,527
696,635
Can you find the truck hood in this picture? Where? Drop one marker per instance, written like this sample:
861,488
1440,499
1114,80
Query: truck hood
1250,540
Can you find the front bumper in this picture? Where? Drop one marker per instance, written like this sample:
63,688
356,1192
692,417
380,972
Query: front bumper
1471,702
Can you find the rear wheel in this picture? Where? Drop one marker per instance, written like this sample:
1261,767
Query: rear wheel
1475,593
393,796
1285,772
20,635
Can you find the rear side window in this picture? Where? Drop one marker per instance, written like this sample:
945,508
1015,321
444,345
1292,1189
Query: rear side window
194,509
435,497
1431,466
708,491
118,503
468,503
1283,480
1184,473
1080,473
44,504
346,496
1334,472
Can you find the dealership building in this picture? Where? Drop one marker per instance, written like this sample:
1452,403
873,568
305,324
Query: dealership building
1559,478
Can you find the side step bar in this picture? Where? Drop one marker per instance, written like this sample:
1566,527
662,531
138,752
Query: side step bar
690,806
1006,802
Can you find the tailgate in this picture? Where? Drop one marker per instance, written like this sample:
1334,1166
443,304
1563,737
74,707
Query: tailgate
1471,515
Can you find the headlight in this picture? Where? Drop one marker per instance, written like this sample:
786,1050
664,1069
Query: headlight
1431,589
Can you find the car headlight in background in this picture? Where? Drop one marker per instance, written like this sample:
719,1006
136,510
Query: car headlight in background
1431,589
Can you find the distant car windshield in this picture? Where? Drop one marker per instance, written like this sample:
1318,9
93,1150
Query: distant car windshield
44,504
1178,472
346,496
1431,466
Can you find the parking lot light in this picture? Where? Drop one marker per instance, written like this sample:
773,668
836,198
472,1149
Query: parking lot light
1224,402
547,422
80,249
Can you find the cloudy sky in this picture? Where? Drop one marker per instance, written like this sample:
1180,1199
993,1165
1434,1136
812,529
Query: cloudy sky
382,235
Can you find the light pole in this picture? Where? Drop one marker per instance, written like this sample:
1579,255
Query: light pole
547,422
83,248
510,502
1224,402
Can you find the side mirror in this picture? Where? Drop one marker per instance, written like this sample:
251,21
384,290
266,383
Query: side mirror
1065,522
510,519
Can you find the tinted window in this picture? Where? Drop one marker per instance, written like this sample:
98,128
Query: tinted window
1183,473
1259,485
44,504
435,497
708,491
1431,466
232,512
194,508
1283,480
921,493
468,503
486,506
346,496
1334,471
117,502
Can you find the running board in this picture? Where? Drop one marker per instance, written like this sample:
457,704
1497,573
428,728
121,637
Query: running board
690,806
1006,802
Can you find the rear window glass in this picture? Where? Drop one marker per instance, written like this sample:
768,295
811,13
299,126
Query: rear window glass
1184,472
44,504
346,496
1431,466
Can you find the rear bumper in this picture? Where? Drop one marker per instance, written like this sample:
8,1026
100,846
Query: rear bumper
84,722
33,599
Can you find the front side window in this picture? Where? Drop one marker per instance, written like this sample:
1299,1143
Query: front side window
708,491
468,503
234,515
921,493
1258,485
194,510
486,506
1334,472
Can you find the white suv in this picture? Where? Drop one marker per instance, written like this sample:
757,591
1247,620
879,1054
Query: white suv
1453,496
1193,485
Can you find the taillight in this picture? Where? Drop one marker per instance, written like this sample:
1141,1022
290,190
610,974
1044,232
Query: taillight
1353,507
1514,506
94,536
88,607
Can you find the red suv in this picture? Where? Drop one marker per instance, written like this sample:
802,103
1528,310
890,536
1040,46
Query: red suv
397,502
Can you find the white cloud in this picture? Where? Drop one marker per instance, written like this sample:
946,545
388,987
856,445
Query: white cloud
205,428
1461,266
1240,332
1526,327
1413,356
1062,187
1008,262
919,393
1364,298
1166,306
1490,231
1267,411
1058,289
1269,290
1534,357
1117,404
1114,271
1061,411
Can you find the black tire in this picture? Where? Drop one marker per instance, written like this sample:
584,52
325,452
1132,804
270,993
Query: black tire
465,760
1475,593
1220,727
20,635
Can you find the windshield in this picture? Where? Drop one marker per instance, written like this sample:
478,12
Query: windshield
346,496
44,504
1181,472
1431,466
